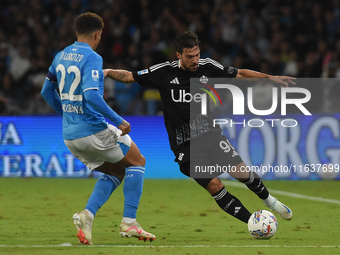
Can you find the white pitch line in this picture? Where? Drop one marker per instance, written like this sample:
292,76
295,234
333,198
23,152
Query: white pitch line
168,246
284,193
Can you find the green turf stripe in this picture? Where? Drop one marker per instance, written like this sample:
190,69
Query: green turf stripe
169,246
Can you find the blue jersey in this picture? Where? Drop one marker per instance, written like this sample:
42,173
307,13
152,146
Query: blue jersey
78,68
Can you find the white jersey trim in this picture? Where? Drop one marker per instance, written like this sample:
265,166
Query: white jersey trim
175,63
210,61
80,46
155,67
90,88
202,61
164,64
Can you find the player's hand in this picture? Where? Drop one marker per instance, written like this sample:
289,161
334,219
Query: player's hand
125,127
284,81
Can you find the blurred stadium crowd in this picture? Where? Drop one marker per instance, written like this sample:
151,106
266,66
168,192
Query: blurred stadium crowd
291,37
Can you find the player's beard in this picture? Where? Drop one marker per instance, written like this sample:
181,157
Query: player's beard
192,68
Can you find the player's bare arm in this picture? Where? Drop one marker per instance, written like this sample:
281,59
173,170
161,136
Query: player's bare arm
284,81
119,75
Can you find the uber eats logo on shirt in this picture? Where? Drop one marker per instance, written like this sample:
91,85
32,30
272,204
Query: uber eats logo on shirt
182,96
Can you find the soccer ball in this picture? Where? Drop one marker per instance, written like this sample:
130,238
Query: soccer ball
262,224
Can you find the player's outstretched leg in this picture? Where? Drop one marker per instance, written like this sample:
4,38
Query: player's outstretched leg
102,191
227,202
255,184
133,189
83,223
281,209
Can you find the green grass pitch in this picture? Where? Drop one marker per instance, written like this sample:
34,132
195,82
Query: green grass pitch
35,218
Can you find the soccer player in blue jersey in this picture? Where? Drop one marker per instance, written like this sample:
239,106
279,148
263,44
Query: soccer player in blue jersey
77,72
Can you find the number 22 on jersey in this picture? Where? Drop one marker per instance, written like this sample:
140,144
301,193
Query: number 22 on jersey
70,95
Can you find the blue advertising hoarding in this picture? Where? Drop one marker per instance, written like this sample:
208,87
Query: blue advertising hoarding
296,147
32,146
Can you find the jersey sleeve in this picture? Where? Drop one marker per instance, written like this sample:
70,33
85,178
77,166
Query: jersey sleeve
94,98
92,72
49,89
51,96
51,74
149,78
52,70
222,71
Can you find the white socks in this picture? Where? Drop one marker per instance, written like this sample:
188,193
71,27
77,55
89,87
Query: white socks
90,214
269,200
128,220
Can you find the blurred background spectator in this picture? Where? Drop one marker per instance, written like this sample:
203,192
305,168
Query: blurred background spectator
291,37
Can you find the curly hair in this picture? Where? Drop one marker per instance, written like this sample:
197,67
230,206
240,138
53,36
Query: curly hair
88,23
186,40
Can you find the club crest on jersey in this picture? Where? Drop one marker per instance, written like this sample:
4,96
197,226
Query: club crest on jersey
145,71
231,70
95,74
204,79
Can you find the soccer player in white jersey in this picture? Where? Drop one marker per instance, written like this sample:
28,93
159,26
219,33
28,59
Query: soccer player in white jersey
77,72
184,130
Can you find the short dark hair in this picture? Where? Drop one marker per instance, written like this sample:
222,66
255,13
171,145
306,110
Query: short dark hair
88,23
186,40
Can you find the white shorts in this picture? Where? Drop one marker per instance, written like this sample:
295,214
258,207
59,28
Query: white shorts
106,145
